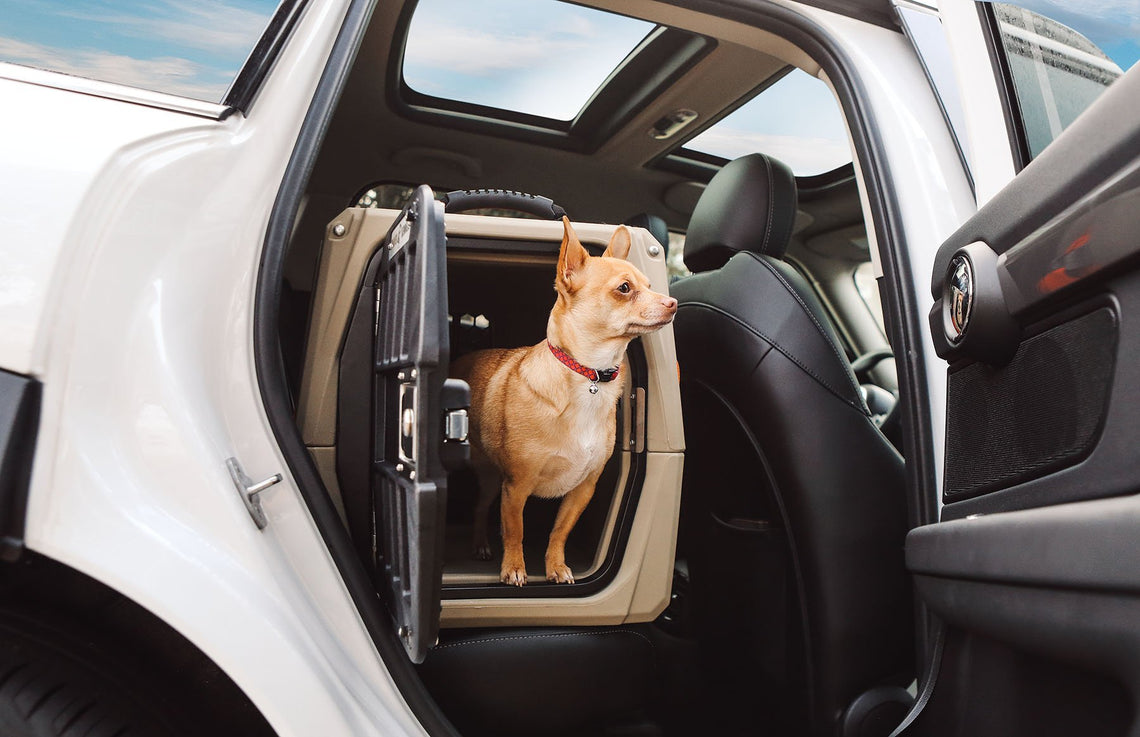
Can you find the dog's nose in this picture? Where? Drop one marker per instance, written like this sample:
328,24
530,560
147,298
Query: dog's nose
670,303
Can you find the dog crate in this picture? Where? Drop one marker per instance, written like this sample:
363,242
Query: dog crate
493,288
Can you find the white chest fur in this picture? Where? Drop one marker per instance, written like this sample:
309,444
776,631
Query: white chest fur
585,427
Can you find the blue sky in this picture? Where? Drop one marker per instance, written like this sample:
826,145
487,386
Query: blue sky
186,47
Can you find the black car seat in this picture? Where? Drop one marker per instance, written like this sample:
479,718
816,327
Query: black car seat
656,226
793,511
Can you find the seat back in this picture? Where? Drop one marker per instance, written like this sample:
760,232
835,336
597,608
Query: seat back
810,503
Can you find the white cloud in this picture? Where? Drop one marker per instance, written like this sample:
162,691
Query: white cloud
164,74
206,25
479,53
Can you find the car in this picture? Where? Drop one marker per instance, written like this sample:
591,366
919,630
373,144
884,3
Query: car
877,478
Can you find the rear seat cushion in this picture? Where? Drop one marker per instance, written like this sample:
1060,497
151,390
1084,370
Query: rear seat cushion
548,680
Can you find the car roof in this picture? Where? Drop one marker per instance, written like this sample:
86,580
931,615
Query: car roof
602,165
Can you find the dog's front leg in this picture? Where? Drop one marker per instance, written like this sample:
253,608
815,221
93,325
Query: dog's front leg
568,514
513,570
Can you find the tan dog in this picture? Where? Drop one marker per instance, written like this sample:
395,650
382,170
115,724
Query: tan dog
545,425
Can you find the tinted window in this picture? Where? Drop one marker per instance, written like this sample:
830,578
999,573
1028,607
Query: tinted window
1062,56
190,48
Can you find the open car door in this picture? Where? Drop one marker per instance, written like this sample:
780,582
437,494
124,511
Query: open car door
1033,571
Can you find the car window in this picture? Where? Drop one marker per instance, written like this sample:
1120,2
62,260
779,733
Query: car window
538,57
796,119
1061,56
190,49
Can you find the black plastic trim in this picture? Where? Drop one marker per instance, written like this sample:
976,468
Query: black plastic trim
241,93
664,56
19,422
869,11
1089,545
1095,629
274,386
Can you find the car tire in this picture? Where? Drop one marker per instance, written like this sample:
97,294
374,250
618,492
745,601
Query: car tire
53,684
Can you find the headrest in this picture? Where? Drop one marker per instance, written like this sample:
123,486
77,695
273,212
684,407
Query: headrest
750,205
656,226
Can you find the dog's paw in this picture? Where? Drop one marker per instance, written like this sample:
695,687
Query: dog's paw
482,551
513,575
559,574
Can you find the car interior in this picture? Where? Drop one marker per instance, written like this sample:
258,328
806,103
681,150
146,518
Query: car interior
740,568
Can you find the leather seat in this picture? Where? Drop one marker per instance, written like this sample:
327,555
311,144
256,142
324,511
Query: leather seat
656,226
564,681
793,505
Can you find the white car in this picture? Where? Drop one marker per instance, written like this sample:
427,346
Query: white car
877,478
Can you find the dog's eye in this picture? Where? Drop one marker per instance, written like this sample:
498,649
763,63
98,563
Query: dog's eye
624,288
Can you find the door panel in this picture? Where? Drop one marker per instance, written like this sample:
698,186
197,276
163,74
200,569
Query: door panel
1054,298
1034,571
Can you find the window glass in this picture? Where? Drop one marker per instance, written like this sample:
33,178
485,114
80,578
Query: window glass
1062,56
796,120
539,57
190,48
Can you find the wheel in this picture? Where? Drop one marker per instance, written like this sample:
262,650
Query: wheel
51,685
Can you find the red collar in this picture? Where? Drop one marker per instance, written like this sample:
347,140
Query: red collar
594,375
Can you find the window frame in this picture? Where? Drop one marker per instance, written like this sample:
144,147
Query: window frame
1011,107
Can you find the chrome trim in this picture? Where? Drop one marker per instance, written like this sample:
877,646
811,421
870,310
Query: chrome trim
249,491
959,298
112,91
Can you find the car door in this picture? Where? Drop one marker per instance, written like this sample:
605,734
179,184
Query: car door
1032,571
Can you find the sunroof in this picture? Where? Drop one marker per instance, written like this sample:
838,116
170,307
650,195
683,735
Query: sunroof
539,57
796,120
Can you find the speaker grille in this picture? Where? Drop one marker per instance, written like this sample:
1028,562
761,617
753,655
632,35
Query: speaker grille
1040,413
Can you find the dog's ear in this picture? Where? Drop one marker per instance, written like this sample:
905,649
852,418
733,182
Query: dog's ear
619,243
572,256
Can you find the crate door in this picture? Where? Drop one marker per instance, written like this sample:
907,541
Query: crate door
411,414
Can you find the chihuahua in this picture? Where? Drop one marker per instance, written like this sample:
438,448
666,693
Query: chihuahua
543,418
